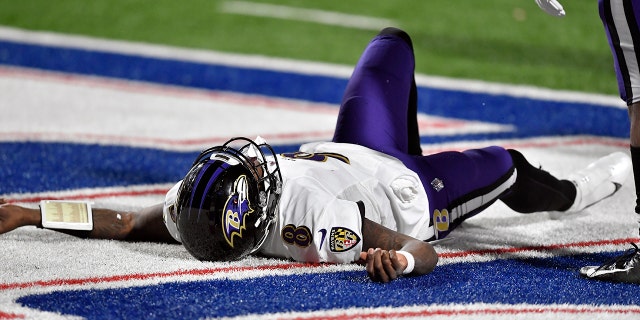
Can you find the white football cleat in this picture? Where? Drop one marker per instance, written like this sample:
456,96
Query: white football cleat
599,180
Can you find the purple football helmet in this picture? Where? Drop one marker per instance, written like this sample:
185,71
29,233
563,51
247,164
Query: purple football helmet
228,200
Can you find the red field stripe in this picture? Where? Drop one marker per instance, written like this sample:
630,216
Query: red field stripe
577,141
288,266
145,276
552,247
129,193
466,312
5,315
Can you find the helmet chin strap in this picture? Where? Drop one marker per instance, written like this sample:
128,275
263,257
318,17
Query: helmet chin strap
262,203
262,219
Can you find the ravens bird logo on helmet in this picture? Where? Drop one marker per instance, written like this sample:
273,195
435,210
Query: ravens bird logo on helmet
236,211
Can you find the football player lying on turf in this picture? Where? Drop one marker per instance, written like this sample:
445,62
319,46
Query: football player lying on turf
369,195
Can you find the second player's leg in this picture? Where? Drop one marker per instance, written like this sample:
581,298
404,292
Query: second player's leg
621,21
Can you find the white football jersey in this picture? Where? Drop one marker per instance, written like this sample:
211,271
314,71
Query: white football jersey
318,217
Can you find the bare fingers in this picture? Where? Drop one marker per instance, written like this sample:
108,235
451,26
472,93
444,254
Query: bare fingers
380,265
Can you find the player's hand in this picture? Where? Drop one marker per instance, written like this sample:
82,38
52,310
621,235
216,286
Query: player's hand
383,265
12,217
9,220
551,7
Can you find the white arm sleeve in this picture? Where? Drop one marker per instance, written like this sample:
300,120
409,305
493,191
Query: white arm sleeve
169,211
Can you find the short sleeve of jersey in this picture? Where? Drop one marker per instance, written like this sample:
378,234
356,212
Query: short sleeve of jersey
316,227
339,233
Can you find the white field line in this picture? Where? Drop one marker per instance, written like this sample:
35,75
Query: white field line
306,15
287,65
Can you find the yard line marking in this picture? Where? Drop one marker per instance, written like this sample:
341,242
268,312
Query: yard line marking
306,15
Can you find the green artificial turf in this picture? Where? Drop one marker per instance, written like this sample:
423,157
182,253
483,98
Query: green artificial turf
510,41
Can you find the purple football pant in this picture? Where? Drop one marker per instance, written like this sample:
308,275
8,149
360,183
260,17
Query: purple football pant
375,113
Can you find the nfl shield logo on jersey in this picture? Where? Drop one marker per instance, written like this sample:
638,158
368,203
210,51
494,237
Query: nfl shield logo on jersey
342,239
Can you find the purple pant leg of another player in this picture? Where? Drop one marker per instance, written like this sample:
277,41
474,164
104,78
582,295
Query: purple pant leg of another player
373,112
623,34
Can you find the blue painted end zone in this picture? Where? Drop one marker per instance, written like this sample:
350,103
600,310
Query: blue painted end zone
63,166
528,281
39,167
173,72
532,117
59,166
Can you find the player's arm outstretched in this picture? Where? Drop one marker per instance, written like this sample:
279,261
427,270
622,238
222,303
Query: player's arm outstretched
383,261
144,225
